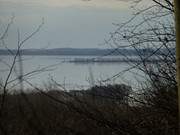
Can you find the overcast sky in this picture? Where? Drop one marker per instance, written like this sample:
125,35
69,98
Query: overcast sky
68,23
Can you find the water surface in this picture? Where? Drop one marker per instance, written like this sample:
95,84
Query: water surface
41,70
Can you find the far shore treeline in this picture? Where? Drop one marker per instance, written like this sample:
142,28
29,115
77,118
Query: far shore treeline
82,51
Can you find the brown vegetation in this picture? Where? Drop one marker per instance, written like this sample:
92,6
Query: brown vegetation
58,112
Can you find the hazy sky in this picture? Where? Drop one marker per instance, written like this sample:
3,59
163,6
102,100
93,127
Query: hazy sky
68,23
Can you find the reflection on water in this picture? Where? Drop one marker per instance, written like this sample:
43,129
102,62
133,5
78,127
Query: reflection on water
40,69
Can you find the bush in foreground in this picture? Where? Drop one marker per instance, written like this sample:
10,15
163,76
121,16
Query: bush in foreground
66,113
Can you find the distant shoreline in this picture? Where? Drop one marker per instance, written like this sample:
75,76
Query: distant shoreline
81,52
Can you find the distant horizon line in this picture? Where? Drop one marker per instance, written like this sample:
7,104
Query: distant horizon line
82,51
58,48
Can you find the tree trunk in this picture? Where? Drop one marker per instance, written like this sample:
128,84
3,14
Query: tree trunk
177,22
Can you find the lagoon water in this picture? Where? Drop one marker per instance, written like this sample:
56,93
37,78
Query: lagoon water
41,70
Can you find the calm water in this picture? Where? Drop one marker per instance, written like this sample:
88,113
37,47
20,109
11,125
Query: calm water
71,75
